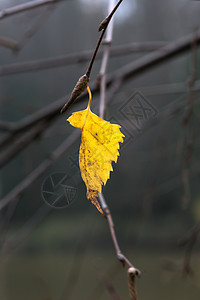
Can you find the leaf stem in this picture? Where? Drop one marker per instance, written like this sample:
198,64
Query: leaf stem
90,96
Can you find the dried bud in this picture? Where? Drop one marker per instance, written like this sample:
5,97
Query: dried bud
104,24
79,88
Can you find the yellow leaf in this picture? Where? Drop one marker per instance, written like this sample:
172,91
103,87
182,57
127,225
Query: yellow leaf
99,147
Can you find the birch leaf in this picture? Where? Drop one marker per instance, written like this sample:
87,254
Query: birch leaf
99,147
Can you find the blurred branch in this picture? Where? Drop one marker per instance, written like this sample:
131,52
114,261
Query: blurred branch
175,182
9,43
17,46
150,60
121,257
191,80
112,272
169,112
120,75
13,242
30,32
45,112
124,73
189,243
22,141
109,287
106,52
168,88
76,58
132,69
39,170
187,122
24,7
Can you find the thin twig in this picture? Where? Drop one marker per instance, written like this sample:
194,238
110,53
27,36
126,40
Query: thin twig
130,70
83,81
189,243
103,26
121,257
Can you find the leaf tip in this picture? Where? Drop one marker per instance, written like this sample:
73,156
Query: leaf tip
92,195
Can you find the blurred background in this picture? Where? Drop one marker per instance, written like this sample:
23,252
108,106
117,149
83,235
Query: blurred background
54,243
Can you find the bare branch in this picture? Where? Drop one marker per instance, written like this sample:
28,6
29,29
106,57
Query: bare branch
109,287
9,43
24,7
39,170
121,257
30,32
45,112
122,74
169,112
152,59
189,242
21,142
76,58
142,64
